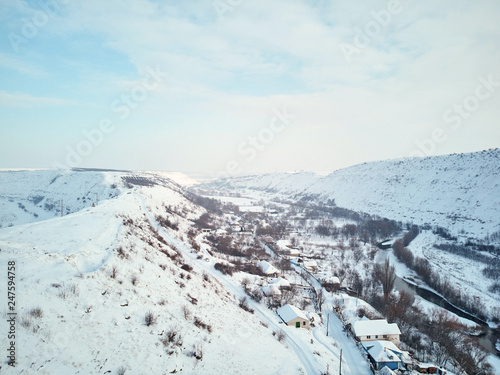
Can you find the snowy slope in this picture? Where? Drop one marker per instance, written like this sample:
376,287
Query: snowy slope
285,183
460,192
29,196
86,281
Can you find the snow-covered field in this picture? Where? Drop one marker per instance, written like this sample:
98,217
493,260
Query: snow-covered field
459,270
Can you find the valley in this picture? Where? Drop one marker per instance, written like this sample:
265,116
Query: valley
192,279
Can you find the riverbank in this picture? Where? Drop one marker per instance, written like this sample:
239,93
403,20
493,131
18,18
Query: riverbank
406,281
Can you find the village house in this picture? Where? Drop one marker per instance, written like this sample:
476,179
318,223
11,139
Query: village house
268,240
292,253
221,232
310,265
292,316
384,354
268,269
372,330
429,369
271,290
281,283
386,371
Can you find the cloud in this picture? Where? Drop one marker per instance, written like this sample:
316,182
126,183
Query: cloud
226,75
21,66
29,101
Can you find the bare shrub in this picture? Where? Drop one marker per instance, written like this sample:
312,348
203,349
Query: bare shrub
149,318
200,324
244,305
167,223
114,272
280,335
256,296
172,338
186,312
187,267
73,289
121,253
121,371
36,312
245,283
134,279
224,268
26,322
197,352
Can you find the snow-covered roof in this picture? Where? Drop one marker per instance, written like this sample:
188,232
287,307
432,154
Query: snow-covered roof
375,327
271,290
386,371
289,312
310,263
283,244
267,267
280,282
383,351
331,280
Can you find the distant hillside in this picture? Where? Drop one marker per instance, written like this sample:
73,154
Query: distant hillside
31,196
460,192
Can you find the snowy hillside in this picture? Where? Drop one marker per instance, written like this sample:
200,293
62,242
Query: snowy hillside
284,183
106,289
29,196
459,192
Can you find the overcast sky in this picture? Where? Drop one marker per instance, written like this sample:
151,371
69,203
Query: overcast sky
245,86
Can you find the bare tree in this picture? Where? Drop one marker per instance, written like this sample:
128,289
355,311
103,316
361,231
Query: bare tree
386,274
304,302
284,265
245,283
358,254
320,298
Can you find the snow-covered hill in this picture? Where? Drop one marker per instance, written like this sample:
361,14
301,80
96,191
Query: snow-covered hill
460,192
29,196
106,289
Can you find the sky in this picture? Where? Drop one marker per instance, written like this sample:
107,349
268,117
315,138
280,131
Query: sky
230,87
